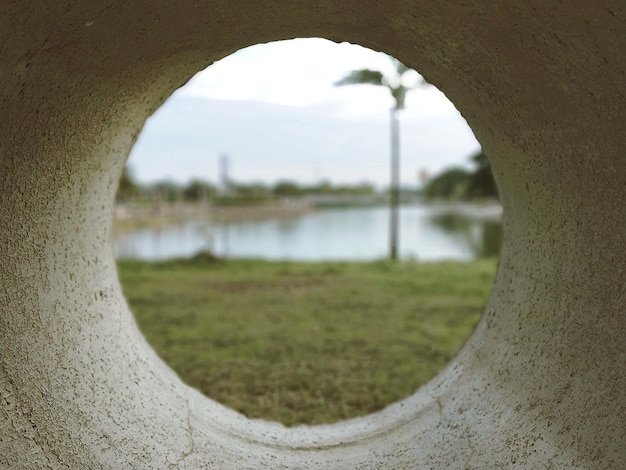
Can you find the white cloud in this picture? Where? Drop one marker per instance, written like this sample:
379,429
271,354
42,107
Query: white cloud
301,73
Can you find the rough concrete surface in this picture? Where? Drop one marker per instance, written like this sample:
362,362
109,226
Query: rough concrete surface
539,385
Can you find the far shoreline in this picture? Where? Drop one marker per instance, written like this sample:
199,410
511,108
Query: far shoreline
129,217
133,216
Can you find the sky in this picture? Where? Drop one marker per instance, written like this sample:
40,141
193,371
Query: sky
274,111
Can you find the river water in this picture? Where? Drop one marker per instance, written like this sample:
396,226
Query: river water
427,233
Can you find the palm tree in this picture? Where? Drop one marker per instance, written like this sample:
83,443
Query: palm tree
398,91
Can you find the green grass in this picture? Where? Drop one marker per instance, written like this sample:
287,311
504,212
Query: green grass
306,342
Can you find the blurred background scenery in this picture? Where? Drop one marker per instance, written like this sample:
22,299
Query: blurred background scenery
307,231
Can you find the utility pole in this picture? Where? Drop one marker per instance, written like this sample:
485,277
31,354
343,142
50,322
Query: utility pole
398,91
224,178
394,190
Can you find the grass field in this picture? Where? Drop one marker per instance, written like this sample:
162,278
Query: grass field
306,342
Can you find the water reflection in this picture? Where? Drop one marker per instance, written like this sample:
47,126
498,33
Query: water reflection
482,236
426,233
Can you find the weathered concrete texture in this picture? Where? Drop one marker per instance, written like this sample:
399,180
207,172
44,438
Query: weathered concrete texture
539,385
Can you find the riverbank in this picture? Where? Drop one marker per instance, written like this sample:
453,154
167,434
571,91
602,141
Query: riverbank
131,215
306,342
128,217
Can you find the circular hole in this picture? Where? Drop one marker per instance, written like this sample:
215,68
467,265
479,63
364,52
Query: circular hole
313,339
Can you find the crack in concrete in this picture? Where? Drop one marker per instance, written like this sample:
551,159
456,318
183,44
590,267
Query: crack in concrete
192,443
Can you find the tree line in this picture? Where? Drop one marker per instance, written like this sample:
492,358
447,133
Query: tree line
235,193
454,184
459,184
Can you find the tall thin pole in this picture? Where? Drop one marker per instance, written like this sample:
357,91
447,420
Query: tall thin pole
394,196
224,176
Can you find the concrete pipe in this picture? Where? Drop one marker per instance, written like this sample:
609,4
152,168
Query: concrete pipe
539,385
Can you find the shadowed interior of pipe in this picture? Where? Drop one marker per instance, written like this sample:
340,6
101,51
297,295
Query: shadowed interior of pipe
319,340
